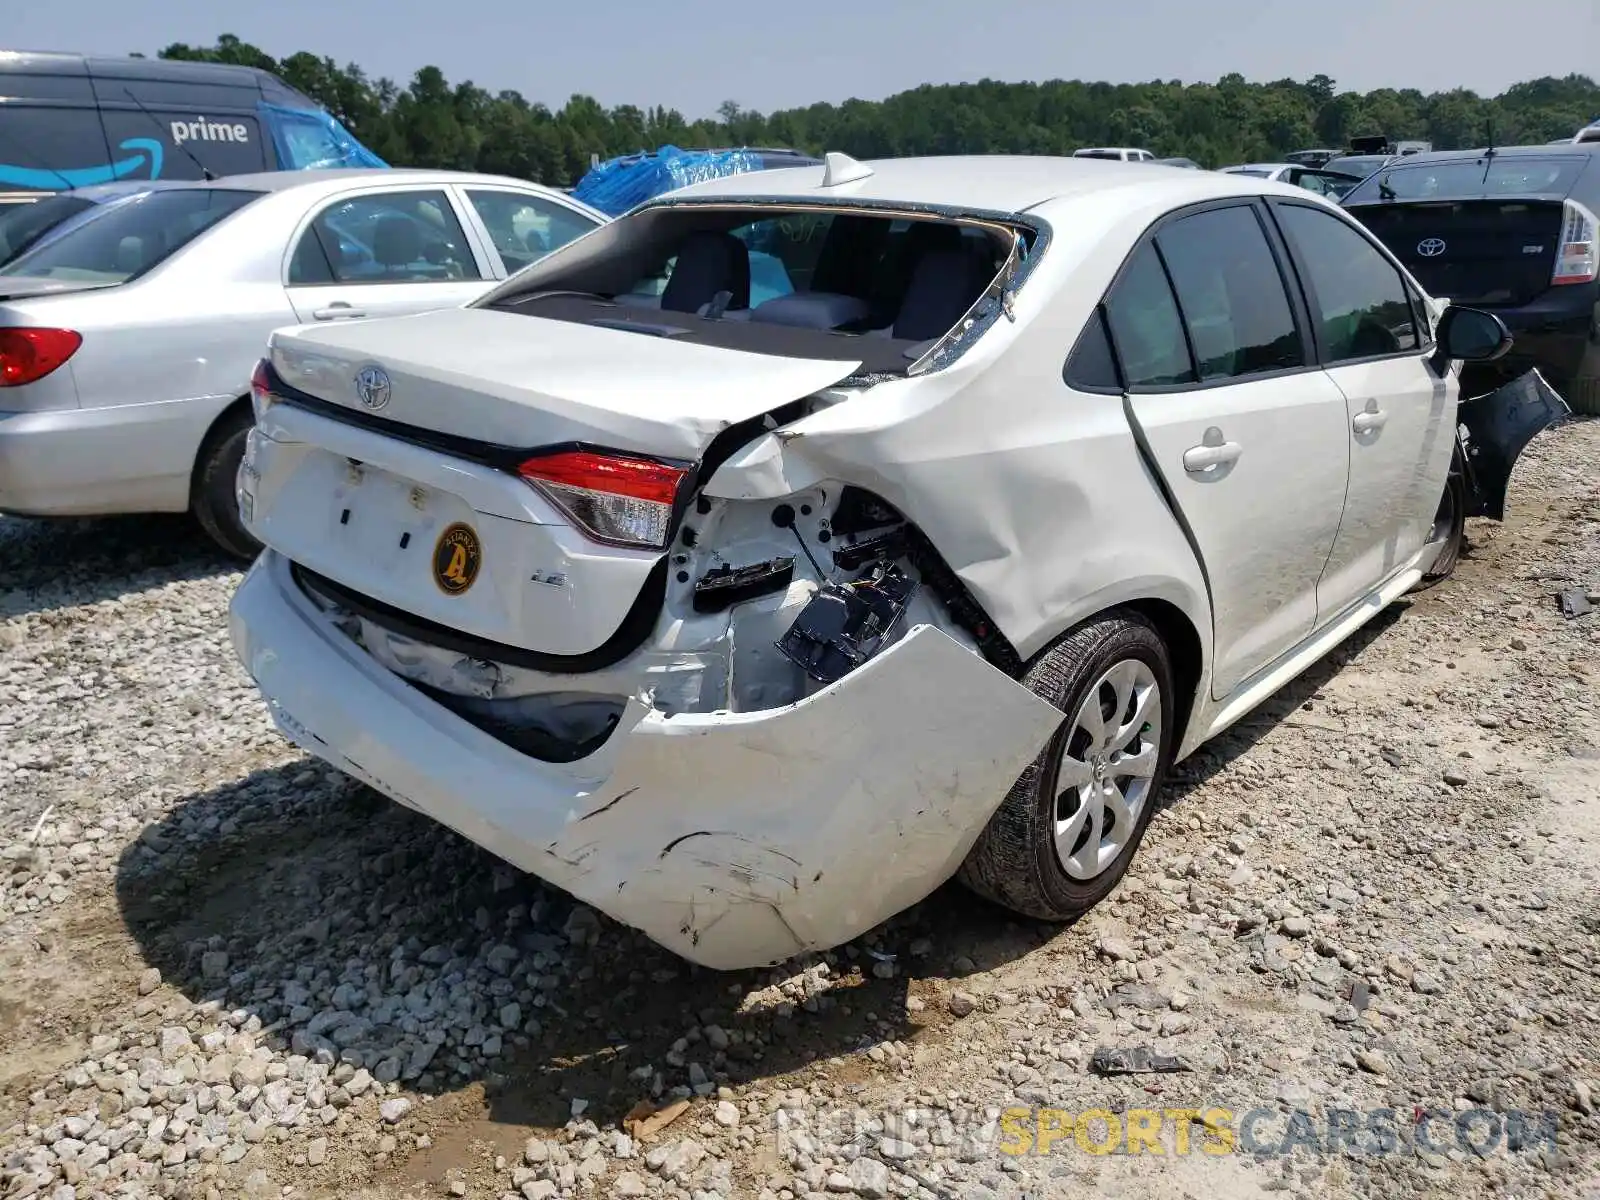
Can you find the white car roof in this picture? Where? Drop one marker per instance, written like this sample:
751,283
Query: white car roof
336,180
993,182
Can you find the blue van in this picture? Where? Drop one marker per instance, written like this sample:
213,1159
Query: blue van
69,121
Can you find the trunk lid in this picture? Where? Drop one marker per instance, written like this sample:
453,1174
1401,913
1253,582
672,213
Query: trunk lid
405,506
513,380
1490,252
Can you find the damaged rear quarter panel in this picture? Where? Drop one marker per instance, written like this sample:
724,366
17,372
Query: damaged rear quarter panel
741,839
1034,494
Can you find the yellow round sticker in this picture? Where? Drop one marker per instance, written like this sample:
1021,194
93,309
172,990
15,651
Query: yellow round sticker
457,555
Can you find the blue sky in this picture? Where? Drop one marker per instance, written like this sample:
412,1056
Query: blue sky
693,54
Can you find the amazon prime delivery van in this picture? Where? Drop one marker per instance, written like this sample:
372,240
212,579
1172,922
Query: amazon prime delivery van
69,121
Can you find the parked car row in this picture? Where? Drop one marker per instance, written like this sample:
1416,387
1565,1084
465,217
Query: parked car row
129,326
751,620
74,121
753,562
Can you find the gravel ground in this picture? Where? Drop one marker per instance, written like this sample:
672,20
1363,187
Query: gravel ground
227,971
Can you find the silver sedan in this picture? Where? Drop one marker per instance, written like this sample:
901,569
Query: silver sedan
127,341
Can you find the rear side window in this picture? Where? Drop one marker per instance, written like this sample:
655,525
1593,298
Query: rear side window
1359,301
1472,179
526,228
1092,367
182,142
1231,294
1145,325
393,237
131,237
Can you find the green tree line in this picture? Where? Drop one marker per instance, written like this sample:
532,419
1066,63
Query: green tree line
431,122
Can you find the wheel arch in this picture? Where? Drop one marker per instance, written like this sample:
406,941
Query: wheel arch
209,438
1181,618
1187,653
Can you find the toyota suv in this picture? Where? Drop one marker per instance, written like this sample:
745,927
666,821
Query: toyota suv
1511,230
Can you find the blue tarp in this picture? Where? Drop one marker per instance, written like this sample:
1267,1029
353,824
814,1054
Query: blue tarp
309,139
619,184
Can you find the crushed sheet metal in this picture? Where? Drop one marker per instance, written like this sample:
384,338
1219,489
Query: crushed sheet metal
752,837
735,839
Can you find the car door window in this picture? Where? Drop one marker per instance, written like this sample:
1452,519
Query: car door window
1231,294
1145,325
392,237
1358,299
526,228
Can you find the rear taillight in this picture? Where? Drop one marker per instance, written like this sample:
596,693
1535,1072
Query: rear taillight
261,394
614,499
28,355
1577,256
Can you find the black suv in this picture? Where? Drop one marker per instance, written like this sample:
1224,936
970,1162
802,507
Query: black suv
1511,230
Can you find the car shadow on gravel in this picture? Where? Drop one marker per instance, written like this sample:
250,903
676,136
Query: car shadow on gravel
310,883
295,894
51,564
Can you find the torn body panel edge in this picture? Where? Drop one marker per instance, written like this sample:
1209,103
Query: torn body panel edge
1499,425
734,839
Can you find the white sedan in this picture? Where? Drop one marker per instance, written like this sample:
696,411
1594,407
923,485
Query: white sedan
128,337
751,623
1332,184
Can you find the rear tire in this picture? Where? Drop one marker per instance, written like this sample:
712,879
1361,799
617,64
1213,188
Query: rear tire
212,496
1045,853
1449,527
1583,395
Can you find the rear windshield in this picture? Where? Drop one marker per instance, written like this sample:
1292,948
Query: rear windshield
130,238
879,288
1470,179
23,224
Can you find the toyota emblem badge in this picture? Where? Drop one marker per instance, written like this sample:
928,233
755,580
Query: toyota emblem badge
372,387
1430,247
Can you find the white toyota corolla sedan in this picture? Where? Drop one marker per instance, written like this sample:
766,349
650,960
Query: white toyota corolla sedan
749,625
127,335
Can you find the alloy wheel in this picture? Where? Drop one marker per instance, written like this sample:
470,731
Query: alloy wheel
1107,767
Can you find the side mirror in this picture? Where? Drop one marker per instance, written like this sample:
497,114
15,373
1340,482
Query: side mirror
1471,335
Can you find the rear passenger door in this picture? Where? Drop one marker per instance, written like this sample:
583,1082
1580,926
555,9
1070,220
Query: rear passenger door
1372,337
383,253
1246,432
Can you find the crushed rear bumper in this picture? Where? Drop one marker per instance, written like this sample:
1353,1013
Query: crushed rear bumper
734,839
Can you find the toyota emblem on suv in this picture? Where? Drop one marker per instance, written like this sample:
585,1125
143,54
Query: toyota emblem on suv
372,386
1430,247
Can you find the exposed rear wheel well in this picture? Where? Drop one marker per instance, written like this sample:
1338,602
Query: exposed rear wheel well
1184,652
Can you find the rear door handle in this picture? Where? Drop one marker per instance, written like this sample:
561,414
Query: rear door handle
1197,459
336,311
1369,419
